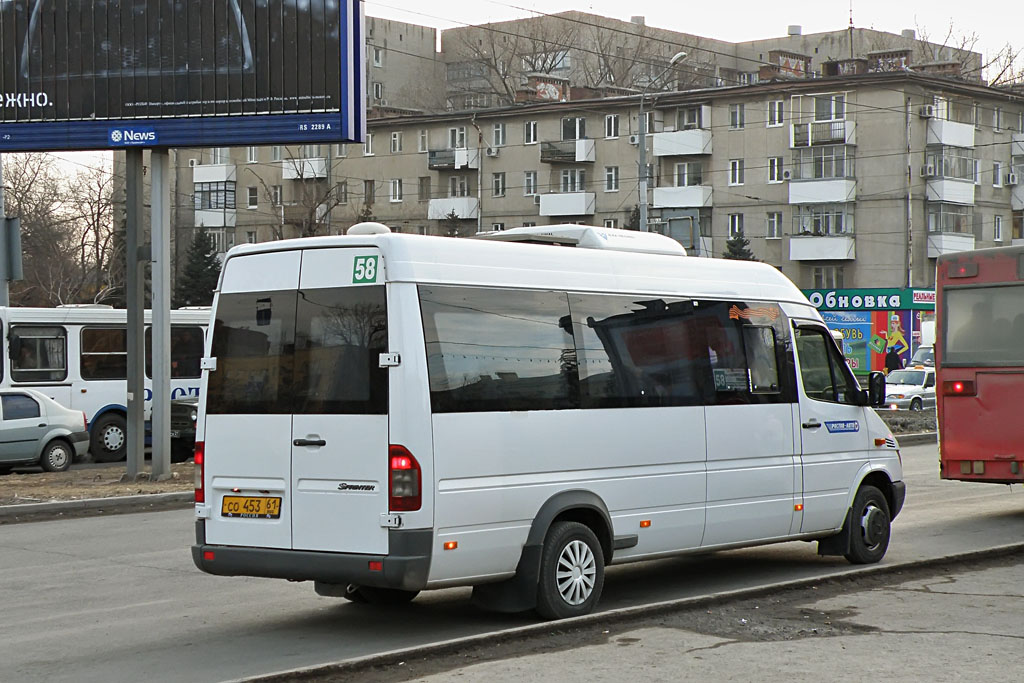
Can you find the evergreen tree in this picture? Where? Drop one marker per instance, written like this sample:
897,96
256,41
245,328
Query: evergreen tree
199,277
736,248
450,224
633,222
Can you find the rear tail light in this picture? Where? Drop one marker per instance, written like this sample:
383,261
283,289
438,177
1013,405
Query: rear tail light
198,457
959,387
405,481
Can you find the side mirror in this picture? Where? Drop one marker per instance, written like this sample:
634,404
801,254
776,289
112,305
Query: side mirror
876,389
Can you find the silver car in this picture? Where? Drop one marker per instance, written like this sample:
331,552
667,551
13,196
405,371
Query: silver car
36,430
910,388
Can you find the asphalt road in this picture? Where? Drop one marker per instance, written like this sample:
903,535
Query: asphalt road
117,598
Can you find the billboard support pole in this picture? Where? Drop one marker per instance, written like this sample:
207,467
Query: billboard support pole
160,239
5,292
136,304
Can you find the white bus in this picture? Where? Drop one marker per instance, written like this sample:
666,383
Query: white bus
77,355
388,413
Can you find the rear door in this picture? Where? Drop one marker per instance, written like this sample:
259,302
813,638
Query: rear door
339,448
22,426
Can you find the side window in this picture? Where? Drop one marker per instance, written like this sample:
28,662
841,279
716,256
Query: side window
825,375
636,351
186,352
494,349
104,353
38,354
929,380
19,407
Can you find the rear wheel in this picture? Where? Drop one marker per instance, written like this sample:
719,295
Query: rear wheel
915,404
109,438
571,571
870,526
56,457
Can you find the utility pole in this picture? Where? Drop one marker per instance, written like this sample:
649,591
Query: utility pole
642,127
5,294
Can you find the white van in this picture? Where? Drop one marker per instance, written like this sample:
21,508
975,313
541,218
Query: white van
386,413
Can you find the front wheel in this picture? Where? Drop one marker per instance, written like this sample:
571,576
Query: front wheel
56,457
915,404
108,441
571,571
870,526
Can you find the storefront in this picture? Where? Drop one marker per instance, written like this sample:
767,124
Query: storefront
876,322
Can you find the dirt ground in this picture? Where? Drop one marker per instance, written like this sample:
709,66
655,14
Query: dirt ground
88,482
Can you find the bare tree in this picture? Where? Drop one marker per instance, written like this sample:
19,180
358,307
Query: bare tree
313,199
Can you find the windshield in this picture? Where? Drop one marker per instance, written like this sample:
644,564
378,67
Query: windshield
924,355
905,377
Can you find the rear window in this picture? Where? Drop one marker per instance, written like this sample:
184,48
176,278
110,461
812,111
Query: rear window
983,325
312,352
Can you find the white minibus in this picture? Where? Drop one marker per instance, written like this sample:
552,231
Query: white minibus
384,413
77,355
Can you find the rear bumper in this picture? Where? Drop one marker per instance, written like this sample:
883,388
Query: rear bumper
80,442
406,565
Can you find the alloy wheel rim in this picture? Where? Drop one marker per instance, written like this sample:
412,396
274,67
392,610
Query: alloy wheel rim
576,573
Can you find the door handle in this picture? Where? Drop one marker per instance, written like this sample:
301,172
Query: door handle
41,424
309,442
811,424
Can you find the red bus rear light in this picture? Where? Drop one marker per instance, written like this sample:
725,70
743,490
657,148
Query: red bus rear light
959,387
963,270
405,481
198,456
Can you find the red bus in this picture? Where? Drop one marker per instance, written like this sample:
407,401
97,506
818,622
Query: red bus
979,362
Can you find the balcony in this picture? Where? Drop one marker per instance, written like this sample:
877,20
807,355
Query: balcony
568,204
303,169
950,190
213,173
682,143
215,218
823,133
940,243
952,133
464,207
688,197
568,151
1017,145
453,159
1017,197
824,190
822,248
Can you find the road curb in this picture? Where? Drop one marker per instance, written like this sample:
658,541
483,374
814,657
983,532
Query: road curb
394,657
32,512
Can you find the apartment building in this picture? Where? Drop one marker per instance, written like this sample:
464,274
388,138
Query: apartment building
844,181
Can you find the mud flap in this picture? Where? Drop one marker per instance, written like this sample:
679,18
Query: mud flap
517,594
838,544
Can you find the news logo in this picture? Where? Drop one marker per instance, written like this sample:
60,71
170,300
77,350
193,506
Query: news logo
126,137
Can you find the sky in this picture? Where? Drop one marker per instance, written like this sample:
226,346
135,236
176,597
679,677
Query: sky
740,20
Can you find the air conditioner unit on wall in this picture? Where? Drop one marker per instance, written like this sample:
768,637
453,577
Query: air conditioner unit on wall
787,175
927,111
492,151
536,199
634,139
1011,179
928,171
192,163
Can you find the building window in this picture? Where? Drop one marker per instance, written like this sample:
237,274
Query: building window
219,195
498,184
827,277
775,113
369,192
529,183
396,142
773,222
997,174
423,189
497,226
499,134
829,107
457,137
309,152
652,178
736,118
611,126
574,128
650,122
252,197
378,56
250,237
997,119
341,151
220,155
735,224
997,229
611,178
823,162
573,179
396,189
1017,224
823,219
378,91
341,192
944,217
611,222
529,224
689,174
275,153
736,171
275,195
530,133
368,145
424,140
252,154
774,169
688,118
458,186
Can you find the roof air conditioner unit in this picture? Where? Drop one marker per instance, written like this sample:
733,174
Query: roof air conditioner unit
634,139
787,175
927,111
928,171
536,199
192,163
492,151
1011,178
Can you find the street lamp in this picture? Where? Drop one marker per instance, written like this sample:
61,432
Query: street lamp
643,141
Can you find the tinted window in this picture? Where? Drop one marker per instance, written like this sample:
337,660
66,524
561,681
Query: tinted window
905,377
104,353
636,351
825,374
984,326
186,351
492,349
19,407
38,354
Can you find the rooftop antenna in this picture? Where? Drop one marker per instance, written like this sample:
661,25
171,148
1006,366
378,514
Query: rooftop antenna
851,29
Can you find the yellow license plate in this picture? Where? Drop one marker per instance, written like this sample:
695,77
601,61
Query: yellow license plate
252,507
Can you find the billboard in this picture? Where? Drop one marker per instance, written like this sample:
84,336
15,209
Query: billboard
101,74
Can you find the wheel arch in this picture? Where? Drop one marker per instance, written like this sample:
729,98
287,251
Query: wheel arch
59,434
109,408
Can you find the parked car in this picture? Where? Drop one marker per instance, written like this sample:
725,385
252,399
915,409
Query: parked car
36,430
925,355
910,388
183,428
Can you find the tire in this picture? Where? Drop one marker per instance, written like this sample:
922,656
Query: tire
379,596
108,440
57,456
869,535
181,450
915,404
571,571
